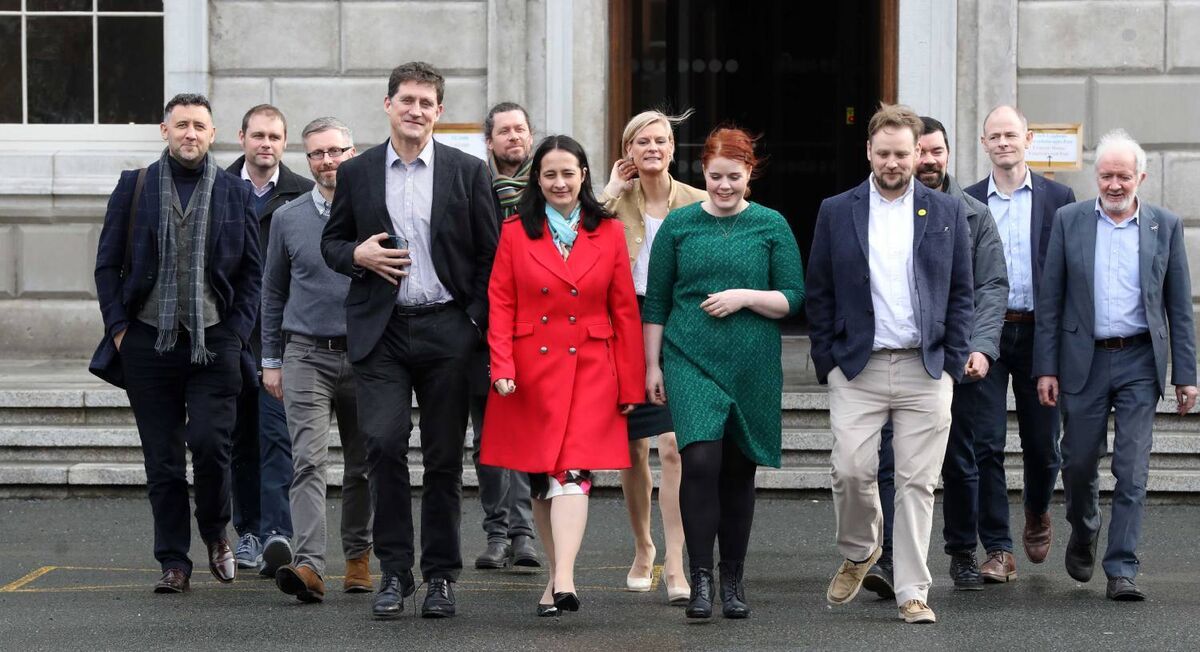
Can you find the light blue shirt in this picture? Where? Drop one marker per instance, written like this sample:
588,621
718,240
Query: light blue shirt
409,192
1013,215
1119,308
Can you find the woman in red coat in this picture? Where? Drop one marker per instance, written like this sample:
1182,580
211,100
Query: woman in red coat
567,358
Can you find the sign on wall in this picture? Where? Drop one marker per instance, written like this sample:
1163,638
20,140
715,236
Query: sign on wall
1055,147
466,136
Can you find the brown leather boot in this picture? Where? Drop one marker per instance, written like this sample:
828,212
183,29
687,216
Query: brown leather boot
300,581
1000,566
1037,536
358,574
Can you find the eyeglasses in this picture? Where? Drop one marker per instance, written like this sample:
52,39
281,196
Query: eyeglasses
332,152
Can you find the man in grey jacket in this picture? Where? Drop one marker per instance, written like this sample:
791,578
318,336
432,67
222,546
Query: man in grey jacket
960,477
305,366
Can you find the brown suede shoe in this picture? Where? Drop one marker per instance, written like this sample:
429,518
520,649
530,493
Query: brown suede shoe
358,575
1037,536
300,581
1000,567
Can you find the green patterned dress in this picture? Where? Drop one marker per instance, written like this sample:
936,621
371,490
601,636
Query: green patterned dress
723,376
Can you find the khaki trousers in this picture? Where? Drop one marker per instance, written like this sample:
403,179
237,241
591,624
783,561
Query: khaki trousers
895,384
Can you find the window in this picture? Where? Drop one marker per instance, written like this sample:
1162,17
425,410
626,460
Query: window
81,62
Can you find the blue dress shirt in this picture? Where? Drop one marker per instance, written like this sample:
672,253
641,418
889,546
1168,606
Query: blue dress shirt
409,195
1118,285
1013,215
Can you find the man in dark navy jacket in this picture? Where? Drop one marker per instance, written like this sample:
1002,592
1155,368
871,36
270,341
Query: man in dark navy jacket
262,450
1023,205
179,315
890,310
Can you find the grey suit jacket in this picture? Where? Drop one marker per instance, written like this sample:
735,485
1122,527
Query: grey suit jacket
991,273
1065,342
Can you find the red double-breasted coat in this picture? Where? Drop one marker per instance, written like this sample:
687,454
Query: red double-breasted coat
569,333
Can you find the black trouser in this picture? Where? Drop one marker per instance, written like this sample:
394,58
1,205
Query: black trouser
175,403
247,505
427,354
716,499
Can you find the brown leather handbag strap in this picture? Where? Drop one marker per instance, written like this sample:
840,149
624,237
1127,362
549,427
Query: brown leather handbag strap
137,195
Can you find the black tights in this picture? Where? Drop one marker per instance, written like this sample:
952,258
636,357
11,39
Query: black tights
716,498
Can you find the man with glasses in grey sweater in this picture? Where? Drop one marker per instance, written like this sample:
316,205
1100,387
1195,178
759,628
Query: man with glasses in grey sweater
304,342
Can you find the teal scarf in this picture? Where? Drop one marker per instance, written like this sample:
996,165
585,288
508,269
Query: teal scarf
562,229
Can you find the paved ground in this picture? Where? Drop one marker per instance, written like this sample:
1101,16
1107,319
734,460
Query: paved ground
75,574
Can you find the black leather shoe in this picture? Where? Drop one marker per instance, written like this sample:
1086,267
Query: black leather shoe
879,578
173,580
496,556
548,611
1081,558
964,570
733,591
524,553
700,604
393,589
439,599
566,601
221,562
1122,589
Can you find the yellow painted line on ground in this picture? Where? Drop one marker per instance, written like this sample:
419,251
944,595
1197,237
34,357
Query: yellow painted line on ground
14,586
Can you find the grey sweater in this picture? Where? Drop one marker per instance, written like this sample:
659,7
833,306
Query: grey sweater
300,293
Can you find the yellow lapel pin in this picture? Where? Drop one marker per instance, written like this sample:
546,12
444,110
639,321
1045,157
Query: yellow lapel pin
921,212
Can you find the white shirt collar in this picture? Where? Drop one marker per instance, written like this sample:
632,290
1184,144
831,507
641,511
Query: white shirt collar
876,196
1027,183
426,155
274,180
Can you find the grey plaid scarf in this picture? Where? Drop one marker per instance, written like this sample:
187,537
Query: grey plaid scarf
168,327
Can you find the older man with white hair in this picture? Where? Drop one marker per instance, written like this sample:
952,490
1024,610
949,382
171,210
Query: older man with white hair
1115,298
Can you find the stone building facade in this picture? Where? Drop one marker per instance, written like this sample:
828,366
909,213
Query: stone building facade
1104,64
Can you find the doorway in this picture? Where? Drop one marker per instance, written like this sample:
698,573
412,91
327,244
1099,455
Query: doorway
805,76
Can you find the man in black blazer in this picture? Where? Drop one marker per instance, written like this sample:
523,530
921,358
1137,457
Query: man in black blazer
890,309
413,224
1023,204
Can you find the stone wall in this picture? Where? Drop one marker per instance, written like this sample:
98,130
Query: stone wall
1133,65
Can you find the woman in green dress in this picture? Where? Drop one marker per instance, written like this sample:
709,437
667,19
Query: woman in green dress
722,273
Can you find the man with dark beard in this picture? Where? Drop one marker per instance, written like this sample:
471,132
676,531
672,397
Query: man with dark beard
503,494
960,477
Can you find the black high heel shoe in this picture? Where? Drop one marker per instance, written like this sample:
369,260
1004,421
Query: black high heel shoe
700,605
548,611
566,601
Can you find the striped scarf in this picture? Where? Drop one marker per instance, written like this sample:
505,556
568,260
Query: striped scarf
509,189
168,325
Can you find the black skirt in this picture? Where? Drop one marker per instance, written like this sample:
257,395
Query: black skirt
648,419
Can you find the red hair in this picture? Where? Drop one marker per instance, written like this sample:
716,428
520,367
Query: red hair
732,143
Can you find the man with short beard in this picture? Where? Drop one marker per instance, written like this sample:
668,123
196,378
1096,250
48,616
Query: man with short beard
304,328
1115,291
1023,204
960,478
262,454
503,494
889,310
179,292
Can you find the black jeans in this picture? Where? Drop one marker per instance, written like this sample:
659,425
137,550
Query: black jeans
177,403
427,355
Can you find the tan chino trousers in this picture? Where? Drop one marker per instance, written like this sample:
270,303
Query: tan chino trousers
895,384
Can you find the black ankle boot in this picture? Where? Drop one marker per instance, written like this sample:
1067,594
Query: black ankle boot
733,592
700,604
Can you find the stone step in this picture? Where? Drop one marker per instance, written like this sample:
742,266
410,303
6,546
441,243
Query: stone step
815,477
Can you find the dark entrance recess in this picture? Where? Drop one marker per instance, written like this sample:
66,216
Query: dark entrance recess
806,76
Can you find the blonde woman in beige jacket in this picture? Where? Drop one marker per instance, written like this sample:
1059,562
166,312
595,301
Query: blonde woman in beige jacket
641,192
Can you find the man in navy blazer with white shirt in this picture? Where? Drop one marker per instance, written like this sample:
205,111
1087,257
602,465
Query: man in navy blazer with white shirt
890,308
1116,291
